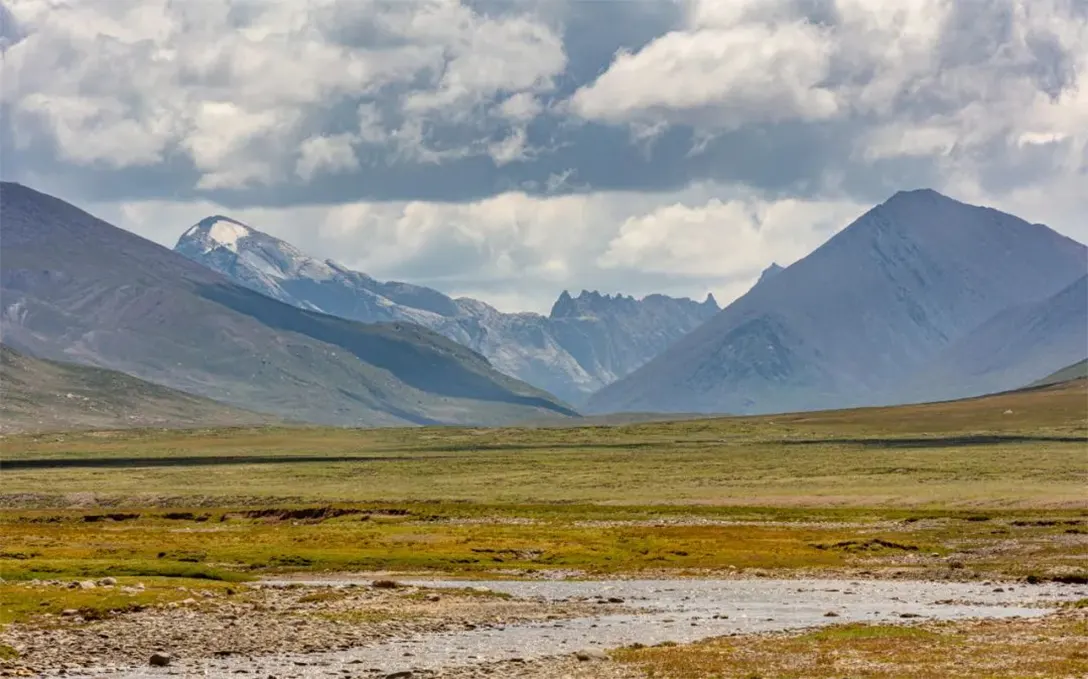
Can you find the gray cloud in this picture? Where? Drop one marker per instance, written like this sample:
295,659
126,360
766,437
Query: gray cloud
584,118
767,94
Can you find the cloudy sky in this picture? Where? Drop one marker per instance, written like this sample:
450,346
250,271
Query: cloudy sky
507,149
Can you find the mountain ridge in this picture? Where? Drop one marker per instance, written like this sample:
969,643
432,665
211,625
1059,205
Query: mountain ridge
79,289
1019,343
847,324
584,343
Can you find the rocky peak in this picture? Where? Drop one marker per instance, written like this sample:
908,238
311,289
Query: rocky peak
564,306
588,303
770,272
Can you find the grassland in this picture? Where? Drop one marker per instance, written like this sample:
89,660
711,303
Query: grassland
990,488
1020,450
1054,646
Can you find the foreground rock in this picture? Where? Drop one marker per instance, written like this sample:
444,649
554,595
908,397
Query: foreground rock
160,659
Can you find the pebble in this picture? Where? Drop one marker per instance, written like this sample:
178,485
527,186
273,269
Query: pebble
591,654
159,659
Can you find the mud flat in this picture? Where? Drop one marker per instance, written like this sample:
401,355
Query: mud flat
646,612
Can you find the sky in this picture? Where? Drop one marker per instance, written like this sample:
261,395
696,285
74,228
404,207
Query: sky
510,149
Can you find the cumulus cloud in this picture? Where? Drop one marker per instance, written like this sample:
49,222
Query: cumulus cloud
953,82
330,154
509,150
741,236
244,89
717,78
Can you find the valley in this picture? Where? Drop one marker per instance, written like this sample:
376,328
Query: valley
985,495
234,458
480,339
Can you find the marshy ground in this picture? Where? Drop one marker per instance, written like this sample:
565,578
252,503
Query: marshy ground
183,525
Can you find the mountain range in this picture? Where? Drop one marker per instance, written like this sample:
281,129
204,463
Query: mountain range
75,288
585,342
921,298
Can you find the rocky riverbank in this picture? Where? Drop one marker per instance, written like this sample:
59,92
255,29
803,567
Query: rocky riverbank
445,629
260,620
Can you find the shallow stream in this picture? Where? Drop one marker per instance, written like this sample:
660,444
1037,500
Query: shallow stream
667,610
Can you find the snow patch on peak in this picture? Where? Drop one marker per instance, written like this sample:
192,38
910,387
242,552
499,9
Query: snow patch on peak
216,231
227,234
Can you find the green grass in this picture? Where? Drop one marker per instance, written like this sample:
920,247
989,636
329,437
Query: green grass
962,454
877,490
20,601
480,540
1055,646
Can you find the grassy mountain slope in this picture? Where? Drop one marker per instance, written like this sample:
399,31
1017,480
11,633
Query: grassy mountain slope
1077,371
39,395
78,289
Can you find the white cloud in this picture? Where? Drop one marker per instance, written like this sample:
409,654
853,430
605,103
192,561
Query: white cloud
912,78
521,107
897,141
720,77
230,144
94,131
987,101
496,55
240,87
739,236
520,251
333,154
510,149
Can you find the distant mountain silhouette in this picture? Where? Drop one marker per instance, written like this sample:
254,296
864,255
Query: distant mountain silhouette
1076,371
888,299
1015,346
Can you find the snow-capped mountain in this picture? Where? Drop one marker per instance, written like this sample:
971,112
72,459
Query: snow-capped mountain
79,290
585,343
858,320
